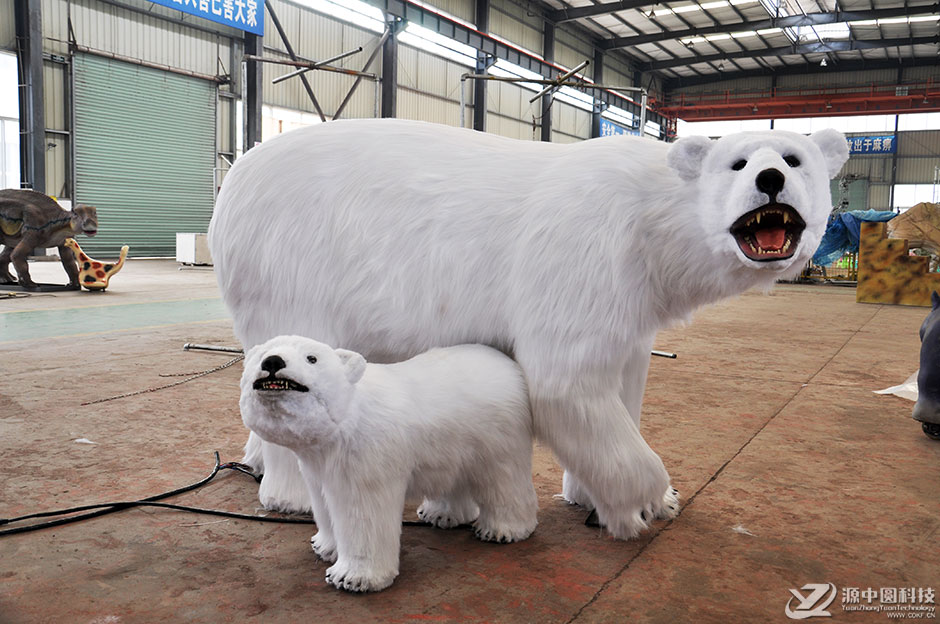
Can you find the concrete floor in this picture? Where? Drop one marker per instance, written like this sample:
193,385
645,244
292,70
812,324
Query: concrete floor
791,472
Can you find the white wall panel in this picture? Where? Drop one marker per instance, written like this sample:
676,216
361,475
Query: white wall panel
925,143
464,9
571,121
7,26
878,196
510,22
512,128
421,107
121,31
917,170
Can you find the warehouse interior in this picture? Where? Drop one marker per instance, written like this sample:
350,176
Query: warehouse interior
793,474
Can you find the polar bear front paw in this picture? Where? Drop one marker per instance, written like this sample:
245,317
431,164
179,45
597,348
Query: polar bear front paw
502,534
348,577
669,507
445,514
324,547
631,524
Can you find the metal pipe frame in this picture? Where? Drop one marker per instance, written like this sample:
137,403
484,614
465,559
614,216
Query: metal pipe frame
355,85
495,48
316,65
548,52
482,10
308,65
290,52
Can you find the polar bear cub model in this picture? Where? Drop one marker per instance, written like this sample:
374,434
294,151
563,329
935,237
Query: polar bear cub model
451,425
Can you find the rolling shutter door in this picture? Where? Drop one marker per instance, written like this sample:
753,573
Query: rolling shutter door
144,154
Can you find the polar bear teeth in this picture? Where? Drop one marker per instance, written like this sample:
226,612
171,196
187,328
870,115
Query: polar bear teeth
770,232
275,384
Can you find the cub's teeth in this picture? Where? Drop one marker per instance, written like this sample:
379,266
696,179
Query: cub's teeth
757,216
786,217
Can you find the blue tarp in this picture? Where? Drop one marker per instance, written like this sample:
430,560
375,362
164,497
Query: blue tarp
842,233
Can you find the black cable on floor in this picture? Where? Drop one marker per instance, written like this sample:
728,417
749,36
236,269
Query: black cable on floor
107,508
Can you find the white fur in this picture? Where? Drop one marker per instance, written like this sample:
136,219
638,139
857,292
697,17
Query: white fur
450,425
391,237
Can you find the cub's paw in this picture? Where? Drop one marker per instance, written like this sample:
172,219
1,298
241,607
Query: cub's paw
351,578
445,515
324,548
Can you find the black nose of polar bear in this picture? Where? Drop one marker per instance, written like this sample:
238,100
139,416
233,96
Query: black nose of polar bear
272,364
770,181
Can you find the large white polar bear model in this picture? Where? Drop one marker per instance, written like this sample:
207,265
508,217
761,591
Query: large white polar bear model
452,426
391,237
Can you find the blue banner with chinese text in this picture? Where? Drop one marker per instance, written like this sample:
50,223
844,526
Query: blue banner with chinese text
247,15
872,144
609,128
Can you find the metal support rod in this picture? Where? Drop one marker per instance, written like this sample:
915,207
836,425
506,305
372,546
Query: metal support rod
557,82
664,354
316,65
329,68
290,52
189,346
355,85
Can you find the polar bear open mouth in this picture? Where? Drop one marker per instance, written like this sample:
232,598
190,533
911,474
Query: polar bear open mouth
769,233
278,384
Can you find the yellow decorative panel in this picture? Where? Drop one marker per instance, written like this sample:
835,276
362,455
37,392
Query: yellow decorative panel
887,274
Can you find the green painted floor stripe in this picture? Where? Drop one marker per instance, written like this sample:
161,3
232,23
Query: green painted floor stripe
36,324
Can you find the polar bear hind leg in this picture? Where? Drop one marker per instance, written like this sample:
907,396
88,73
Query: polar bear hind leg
449,512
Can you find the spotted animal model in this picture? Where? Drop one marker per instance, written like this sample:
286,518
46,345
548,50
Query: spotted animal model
95,274
30,220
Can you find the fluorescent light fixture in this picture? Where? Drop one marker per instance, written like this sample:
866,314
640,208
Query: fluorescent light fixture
430,41
352,11
715,5
769,31
717,37
741,35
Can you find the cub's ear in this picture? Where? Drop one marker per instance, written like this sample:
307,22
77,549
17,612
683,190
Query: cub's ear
685,156
354,365
834,148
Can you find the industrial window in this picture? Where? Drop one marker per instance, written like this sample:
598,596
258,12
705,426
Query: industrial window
9,123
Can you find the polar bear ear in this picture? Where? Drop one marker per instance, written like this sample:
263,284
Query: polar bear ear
685,156
354,365
834,147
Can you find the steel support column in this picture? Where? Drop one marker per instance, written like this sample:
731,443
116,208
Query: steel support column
253,91
483,60
390,67
28,17
598,106
548,53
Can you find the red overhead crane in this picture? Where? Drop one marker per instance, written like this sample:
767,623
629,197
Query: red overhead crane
782,103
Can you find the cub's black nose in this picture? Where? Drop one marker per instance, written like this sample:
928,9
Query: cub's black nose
770,181
272,364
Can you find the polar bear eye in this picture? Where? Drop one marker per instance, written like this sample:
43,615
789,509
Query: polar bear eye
738,166
793,161
312,359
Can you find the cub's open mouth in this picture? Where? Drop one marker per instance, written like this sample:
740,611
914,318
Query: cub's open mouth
278,384
769,233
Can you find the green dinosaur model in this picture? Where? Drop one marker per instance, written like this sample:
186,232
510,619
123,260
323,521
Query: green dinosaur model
30,220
